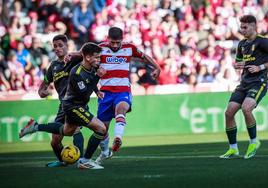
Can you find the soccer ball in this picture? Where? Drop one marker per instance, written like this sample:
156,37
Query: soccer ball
70,154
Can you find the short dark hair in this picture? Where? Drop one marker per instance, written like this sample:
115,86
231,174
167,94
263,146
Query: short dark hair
248,19
60,37
90,48
115,33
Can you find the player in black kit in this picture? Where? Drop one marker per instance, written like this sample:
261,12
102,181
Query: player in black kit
82,82
252,57
58,73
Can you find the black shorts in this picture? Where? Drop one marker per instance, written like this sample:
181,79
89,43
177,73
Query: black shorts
256,91
60,115
79,116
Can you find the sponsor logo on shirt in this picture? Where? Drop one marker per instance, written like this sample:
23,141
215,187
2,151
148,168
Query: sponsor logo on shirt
115,59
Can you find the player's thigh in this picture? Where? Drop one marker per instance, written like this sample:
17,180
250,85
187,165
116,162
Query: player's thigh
257,92
238,96
105,107
249,104
232,109
123,103
97,125
56,139
60,117
78,116
69,129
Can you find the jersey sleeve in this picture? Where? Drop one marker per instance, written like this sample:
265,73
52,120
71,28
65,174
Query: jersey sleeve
136,52
48,78
264,44
239,55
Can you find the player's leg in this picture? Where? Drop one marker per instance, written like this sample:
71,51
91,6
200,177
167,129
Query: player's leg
99,134
105,114
57,147
80,116
106,153
56,142
32,126
234,105
78,140
254,96
122,105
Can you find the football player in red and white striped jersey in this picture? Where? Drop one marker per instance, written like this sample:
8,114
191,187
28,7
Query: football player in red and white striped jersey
115,60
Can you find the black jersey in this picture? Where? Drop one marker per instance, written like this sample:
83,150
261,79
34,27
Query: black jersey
253,53
81,84
58,73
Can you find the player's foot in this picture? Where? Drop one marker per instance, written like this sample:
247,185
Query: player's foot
252,149
88,164
56,164
231,153
116,144
29,128
103,157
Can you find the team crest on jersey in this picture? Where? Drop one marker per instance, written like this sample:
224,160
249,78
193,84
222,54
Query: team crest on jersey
81,85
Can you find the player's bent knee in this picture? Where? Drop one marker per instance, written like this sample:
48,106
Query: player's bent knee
69,130
246,109
102,129
229,114
56,140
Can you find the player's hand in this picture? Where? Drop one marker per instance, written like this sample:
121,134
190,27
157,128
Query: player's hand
239,65
44,92
100,94
67,58
253,68
155,74
101,71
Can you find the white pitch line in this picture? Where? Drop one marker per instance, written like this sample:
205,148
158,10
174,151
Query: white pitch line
132,157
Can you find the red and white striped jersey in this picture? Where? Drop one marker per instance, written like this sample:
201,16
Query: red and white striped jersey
117,66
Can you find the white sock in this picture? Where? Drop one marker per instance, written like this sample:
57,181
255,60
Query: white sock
119,125
254,140
234,146
104,145
83,160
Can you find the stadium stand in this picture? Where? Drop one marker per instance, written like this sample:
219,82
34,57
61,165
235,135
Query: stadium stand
193,41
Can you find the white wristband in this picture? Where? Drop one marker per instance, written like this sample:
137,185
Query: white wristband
262,67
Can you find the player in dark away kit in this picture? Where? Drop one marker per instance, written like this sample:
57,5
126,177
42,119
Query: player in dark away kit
58,73
82,82
252,57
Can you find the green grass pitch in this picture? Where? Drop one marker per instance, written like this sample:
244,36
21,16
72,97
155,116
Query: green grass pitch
156,161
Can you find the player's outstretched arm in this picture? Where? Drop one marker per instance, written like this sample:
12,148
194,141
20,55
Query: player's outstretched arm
156,72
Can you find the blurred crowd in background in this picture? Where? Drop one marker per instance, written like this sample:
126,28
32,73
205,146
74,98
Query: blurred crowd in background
193,41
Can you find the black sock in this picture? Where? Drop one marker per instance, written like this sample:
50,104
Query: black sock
56,128
57,151
252,131
93,144
231,134
78,141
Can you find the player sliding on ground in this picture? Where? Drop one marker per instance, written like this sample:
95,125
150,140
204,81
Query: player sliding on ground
82,82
